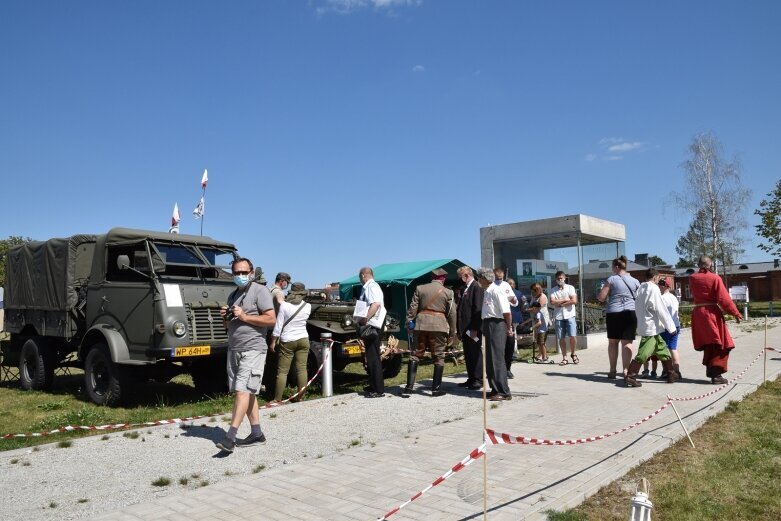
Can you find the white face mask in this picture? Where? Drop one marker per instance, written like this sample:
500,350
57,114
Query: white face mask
560,282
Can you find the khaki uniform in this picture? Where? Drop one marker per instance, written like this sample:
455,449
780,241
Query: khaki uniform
433,309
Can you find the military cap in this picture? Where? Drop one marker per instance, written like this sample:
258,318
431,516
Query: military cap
439,272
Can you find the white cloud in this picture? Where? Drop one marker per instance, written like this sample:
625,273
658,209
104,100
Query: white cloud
625,146
616,147
350,6
418,68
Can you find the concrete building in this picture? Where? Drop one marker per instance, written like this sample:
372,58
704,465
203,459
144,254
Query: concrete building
532,251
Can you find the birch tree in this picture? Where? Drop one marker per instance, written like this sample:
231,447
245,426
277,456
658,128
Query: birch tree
715,199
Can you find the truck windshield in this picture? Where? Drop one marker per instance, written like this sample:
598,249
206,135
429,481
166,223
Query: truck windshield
189,260
179,255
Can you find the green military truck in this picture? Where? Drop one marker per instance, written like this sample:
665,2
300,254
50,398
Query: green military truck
336,318
126,306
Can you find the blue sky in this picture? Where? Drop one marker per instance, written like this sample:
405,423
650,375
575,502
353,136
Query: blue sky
346,133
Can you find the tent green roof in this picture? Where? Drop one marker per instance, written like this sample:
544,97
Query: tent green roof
403,273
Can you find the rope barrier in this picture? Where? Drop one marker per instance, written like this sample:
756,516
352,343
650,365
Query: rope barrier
502,438
170,421
471,457
302,391
729,382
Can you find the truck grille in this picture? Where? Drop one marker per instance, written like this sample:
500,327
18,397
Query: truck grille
331,316
206,325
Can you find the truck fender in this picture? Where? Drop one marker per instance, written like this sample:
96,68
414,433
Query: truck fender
117,346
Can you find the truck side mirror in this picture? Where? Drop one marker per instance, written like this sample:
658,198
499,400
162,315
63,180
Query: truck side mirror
123,262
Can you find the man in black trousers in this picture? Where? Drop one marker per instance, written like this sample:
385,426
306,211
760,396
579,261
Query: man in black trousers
469,328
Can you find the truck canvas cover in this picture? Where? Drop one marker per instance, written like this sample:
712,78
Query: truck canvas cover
46,275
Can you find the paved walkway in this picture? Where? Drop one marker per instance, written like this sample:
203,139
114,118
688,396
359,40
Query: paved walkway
559,402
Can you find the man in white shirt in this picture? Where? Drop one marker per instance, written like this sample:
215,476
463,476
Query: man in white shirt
563,298
497,327
370,329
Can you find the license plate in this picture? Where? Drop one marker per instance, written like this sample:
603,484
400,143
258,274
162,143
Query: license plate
352,350
192,351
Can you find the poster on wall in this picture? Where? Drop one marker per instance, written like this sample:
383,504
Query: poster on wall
539,271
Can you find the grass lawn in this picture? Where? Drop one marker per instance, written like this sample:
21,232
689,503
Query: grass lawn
67,403
733,474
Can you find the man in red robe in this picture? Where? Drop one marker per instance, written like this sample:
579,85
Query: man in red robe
709,330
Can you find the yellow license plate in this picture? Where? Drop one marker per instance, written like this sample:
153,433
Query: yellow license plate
193,351
352,350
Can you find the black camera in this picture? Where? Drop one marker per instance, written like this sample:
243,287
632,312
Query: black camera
229,314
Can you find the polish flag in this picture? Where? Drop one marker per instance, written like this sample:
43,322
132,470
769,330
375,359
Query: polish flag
175,220
204,179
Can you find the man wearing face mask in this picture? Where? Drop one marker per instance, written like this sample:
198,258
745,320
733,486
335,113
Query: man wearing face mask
248,315
563,298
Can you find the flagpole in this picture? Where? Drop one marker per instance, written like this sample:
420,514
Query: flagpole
203,215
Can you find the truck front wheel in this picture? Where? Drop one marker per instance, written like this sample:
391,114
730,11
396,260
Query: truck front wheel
102,376
36,365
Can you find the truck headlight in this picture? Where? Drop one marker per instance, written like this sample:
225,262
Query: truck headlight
347,321
180,329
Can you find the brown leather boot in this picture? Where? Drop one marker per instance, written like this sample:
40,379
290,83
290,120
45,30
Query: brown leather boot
672,374
631,374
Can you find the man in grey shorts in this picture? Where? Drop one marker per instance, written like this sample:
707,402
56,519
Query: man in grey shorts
251,314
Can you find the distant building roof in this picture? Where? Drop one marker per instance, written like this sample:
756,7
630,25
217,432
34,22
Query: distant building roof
744,268
602,268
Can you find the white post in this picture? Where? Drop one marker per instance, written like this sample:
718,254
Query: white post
327,343
680,420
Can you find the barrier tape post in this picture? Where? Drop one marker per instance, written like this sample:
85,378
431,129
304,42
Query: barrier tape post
764,362
485,426
670,401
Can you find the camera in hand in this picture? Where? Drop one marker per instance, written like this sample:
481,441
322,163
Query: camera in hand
229,314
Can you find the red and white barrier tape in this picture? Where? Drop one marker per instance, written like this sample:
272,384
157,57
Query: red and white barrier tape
729,382
501,438
472,456
111,426
302,391
773,349
118,426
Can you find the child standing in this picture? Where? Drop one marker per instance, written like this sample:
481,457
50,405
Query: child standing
671,302
652,319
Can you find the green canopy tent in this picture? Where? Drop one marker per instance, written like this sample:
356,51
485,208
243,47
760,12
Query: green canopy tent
398,282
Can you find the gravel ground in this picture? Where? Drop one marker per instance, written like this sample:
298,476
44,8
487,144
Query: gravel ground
101,473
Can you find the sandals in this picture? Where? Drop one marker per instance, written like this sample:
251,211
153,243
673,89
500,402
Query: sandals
546,361
564,361
575,359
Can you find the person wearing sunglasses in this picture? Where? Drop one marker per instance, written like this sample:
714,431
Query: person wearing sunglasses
247,316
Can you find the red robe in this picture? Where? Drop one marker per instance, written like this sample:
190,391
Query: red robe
709,330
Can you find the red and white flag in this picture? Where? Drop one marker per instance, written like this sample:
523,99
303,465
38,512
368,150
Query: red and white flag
204,179
175,220
198,212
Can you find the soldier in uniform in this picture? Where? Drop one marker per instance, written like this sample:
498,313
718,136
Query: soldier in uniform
433,311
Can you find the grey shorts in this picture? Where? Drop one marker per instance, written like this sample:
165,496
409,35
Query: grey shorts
245,371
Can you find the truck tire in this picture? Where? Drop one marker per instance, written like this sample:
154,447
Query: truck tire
36,365
210,377
102,376
392,366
